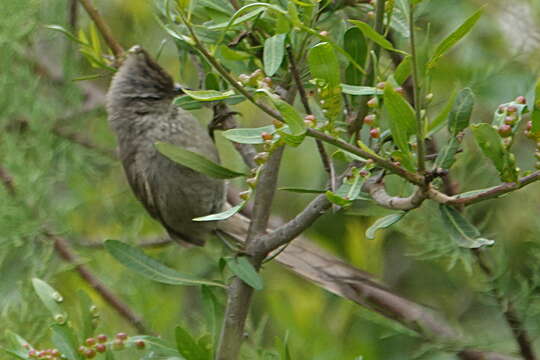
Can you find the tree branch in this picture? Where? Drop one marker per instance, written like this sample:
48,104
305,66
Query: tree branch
103,28
493,192
378,193
240,293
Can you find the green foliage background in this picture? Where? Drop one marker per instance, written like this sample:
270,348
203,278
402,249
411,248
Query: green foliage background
83,196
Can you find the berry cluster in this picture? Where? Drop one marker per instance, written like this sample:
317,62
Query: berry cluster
100,343
46,354
256,79
373,105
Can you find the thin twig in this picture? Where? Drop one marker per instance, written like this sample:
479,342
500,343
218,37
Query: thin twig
420,151
63,249
490,193
369,77
327,162
103,28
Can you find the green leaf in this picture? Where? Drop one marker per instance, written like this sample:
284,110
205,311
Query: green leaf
51,298
274,50
370,33
248,135
135,259
302,190
337,199
323,64
210,307
289,114
535,116
87,328
208,95
355,45
237,19
383,223
402,119
446,157
492,146
404,69
195,161
186,102
66,32
241,267
439,121
221,215
461,230
187,345
454,38
17,345
461,112
65,340
360,90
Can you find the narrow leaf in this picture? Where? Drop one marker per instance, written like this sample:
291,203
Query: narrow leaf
156,345
288,112
461,112
370,33
493,148
51,299
404,69
360,90
187,345
302,190
224,215
248,135
208,95
274,49
383,223
241,267
446,157
135,259
323,64
65,340
461,230
454,38
195,161
402,119
354,43
66,32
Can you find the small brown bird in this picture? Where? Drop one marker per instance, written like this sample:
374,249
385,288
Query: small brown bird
141,113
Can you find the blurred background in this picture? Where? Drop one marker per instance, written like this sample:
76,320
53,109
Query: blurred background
56,146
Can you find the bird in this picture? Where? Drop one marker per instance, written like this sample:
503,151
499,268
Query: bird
141,113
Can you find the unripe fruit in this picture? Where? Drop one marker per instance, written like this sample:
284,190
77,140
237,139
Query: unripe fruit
261,158
429,97
121,336
521,100
373,102
244,195
140,344
90,353
90,341
323,33
252,182
501,108
55,353
102,338
511,109
101,348
371,14
370,119
509,120
505,130
363,172
375,133
243,78
381,85
529,125
400,90
32,353
82,349
278,124
266,136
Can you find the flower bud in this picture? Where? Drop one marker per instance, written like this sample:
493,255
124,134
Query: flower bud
261,157
370,119
375,133
505,130
521,100
373,102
